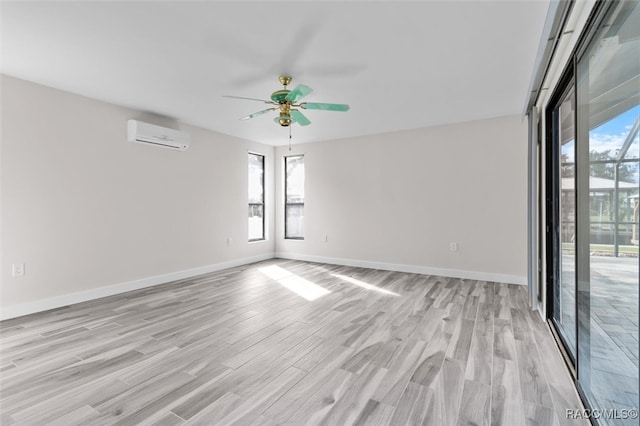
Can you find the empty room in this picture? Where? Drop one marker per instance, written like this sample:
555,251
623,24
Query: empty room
319,212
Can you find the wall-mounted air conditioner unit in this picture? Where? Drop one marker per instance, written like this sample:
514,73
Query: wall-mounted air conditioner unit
150,134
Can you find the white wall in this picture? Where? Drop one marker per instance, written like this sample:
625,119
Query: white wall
84,209
397,200
91,214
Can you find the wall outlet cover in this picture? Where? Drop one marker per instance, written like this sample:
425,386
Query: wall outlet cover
17,270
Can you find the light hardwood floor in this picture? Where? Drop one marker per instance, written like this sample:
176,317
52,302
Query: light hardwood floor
287,342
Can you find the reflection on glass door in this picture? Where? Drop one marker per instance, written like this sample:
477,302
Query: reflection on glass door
608,99
564,312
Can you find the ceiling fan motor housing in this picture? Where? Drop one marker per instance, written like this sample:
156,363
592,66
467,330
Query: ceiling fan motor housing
279,96
284,119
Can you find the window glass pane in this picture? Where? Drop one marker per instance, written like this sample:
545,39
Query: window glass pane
256,197
294,196
256,178
295,220
608,113
565,299
295,179
256,222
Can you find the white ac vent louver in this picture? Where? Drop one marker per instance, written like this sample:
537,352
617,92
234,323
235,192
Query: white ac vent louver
150,134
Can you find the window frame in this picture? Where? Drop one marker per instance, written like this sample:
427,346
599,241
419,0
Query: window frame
250,204
287,204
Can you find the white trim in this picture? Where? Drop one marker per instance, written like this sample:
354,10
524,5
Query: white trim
533,204
414,269
110,290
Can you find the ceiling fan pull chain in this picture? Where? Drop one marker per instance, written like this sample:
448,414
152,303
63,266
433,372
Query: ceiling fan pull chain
289,138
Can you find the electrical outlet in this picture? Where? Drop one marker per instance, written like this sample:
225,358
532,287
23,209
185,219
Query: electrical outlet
17,270
229,241
453,246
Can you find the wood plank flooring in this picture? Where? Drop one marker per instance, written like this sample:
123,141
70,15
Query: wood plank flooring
287,342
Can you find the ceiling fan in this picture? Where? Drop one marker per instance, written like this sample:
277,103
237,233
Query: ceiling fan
288,103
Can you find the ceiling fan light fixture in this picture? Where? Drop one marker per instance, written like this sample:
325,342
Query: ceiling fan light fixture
284,120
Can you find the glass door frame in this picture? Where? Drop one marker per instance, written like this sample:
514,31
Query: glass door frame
553,179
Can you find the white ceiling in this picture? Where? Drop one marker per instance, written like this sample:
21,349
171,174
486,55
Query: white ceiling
400,65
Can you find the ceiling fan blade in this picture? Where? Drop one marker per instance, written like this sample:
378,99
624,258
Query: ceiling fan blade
300,118
326,107
298,93
256,114
249,99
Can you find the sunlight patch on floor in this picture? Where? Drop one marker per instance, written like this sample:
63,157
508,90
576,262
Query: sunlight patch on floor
365,285
295,283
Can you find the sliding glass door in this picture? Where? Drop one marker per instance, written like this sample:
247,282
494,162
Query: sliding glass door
596,164
608,99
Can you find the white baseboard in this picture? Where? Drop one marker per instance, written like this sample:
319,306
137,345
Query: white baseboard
110,290
96,293
414,269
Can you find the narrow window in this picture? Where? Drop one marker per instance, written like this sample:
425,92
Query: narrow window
294,197
256,197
